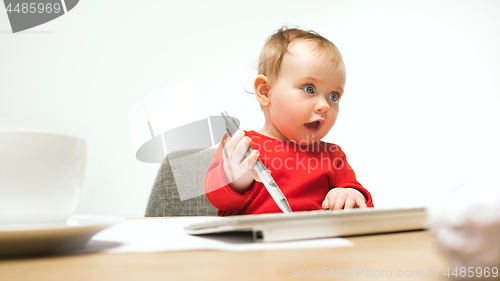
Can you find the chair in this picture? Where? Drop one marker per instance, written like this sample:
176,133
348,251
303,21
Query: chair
190,168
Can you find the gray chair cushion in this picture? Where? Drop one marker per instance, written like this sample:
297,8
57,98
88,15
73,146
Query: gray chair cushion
190,167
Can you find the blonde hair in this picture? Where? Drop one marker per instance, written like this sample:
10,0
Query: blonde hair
277,44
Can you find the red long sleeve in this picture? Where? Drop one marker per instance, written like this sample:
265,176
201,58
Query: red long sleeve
304,174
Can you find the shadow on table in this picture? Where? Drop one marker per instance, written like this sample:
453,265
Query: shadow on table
235,237
94,246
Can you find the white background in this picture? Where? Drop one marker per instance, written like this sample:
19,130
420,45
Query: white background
419,115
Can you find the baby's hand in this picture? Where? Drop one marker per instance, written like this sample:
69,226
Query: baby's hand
239,172
346,198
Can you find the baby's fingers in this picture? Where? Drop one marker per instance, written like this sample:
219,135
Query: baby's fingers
349,202
240,150
361,203
339,202
255,175
324,205
249,162
330,199
232,142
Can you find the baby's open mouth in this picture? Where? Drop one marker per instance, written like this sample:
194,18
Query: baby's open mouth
313,125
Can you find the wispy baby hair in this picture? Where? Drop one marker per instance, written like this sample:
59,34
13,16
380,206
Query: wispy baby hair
277,44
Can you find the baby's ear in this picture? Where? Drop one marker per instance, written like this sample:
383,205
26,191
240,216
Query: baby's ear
262,88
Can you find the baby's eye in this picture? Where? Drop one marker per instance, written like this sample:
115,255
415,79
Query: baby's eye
333,96
309,89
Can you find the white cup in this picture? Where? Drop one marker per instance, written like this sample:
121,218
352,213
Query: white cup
41,174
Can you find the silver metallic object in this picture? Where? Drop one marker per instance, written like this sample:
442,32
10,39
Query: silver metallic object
261,170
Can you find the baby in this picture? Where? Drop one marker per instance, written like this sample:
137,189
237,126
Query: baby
300,82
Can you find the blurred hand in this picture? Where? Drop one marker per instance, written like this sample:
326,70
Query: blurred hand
238,170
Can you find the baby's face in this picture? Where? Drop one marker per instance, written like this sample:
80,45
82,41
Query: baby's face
304,99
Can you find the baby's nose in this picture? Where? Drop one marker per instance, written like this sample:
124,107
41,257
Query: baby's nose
321,106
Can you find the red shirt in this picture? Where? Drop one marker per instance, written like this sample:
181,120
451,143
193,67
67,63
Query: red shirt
304,173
